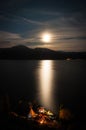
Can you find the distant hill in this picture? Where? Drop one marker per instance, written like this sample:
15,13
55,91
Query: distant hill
23,52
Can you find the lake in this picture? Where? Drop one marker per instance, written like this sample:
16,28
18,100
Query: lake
49,82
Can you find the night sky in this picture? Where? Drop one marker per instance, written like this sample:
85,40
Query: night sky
22,22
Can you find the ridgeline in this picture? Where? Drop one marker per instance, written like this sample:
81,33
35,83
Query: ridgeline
24,53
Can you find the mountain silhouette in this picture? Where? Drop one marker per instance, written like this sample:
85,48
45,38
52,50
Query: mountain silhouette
23,52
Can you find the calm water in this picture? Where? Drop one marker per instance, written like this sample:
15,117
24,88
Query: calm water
48,82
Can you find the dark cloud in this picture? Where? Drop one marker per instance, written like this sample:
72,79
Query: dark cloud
58,5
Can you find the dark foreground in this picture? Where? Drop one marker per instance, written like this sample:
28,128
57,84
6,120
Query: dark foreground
13,121
32,116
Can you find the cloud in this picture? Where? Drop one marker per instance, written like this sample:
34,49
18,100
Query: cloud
8,39
68,30
32,21
19,19
8,35
73,38
60,21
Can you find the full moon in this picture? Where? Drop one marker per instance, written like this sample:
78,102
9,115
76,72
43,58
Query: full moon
46,37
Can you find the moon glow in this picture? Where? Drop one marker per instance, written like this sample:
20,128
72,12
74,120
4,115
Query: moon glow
46,37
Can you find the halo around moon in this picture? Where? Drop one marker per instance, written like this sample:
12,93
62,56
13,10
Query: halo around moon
46,37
